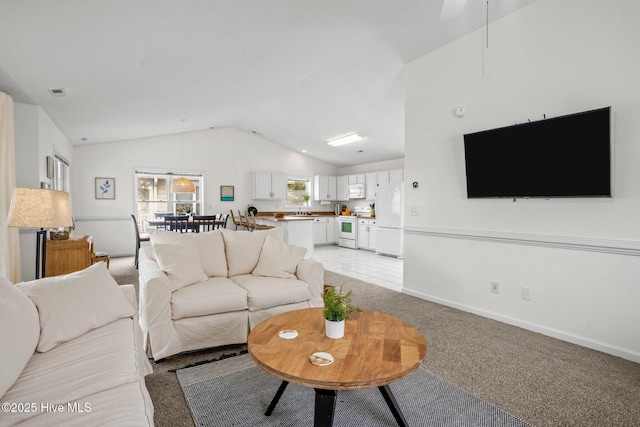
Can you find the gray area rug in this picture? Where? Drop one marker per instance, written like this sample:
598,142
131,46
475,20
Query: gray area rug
235,392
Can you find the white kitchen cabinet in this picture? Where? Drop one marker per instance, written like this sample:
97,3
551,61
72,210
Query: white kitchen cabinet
269,185
324,187
331,231
366,234
372,185
324,231
382,177
357,179
342,188
396,176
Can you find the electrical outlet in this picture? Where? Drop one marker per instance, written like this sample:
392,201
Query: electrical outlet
495,287
415,211
526,293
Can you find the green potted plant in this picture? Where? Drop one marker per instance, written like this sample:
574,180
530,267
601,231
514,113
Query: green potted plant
337,309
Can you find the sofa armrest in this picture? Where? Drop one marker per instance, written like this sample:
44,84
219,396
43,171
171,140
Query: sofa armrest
154,307
312,272
129,292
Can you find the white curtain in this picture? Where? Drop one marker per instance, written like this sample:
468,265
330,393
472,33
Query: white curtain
9,240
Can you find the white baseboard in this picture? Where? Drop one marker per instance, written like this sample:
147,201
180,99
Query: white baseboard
554,333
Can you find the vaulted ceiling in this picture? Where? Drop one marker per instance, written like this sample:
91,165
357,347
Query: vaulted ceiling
296,72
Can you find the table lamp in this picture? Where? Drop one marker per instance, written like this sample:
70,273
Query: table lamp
39,208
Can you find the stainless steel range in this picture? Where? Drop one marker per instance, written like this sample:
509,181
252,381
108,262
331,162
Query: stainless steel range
347,231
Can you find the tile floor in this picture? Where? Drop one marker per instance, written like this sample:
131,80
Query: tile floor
363,265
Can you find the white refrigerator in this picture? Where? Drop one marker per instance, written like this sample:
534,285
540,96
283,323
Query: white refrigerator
389,220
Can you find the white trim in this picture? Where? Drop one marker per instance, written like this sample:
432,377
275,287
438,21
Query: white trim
611,246
101,218
554,333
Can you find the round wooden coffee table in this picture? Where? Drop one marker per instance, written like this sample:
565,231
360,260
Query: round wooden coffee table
377,349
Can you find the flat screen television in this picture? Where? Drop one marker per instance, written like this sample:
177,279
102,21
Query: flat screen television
567,156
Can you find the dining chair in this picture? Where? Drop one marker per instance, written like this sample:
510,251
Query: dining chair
204,223
98,256
221,220
178,223
244,221
140,237
252,222
236,222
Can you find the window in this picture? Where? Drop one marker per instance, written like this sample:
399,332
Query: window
153,199
60,173
298,192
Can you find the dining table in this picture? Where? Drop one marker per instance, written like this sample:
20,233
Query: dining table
159,223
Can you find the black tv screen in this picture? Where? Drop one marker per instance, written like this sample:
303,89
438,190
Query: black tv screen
567,156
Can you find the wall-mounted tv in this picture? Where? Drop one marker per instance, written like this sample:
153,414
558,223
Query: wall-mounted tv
567,156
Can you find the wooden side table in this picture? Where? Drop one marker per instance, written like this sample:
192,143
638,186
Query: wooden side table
67,256
377,350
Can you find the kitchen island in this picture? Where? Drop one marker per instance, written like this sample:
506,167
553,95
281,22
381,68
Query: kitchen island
298,230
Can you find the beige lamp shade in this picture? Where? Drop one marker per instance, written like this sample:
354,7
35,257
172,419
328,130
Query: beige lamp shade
39,208
182,185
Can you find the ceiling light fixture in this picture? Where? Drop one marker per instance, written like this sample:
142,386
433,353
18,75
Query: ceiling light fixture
182,184
347,139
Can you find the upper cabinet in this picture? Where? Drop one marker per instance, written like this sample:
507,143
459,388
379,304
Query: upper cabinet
394,176
372,185
357,179
342,188
324,187
269,185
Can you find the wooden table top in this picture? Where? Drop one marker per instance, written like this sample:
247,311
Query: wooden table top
377,349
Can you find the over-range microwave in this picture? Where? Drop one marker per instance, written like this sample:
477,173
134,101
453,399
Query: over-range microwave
356,191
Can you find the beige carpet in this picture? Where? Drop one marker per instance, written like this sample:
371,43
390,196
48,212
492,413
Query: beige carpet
541,380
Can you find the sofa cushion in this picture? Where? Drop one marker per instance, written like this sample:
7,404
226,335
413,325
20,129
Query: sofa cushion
99,361
214,295
266,292
243,248
19,332
73,304
180,261
277,259
210,246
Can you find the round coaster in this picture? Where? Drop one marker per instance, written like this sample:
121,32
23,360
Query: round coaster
288,334
321,358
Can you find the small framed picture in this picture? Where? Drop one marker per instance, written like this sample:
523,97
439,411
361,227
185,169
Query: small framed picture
226,193
105,188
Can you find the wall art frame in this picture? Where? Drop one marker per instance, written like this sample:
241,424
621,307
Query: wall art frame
105,188
226,193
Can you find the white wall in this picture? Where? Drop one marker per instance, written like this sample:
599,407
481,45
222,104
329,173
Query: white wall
579,257
36,137
227,156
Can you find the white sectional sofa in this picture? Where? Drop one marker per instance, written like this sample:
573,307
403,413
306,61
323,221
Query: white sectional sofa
71,353
201,290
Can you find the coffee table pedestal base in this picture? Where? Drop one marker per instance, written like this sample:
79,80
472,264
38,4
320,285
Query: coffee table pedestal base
325,405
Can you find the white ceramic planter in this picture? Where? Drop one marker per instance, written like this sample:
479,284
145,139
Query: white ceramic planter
334,330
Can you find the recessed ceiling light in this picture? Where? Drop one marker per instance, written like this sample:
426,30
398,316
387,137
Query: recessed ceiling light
347,139
304,151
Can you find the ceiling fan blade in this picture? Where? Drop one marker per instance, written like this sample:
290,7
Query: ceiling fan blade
451,9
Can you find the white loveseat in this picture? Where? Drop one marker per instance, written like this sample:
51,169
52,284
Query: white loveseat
71,353
202,290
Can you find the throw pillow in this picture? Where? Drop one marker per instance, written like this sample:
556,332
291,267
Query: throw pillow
181,262
243,248
73,304
19,332
277,259
211,249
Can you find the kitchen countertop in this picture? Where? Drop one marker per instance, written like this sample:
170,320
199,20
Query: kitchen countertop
287,218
